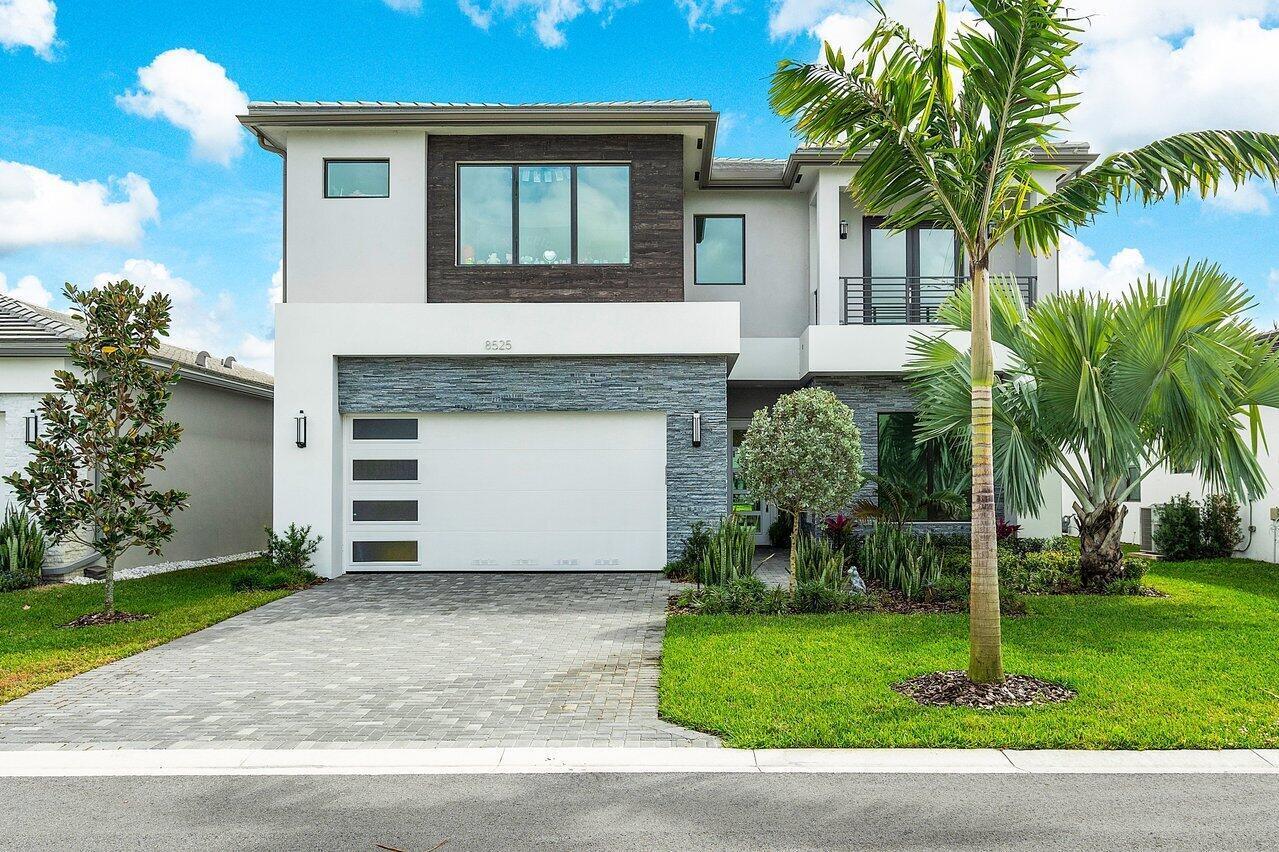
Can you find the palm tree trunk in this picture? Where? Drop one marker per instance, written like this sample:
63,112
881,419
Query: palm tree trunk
1100,554
108,584
985,654
794,545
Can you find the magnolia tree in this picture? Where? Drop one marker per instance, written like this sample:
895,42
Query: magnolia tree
805,455
104,432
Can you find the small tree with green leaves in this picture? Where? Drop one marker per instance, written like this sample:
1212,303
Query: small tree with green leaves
805,455
104,432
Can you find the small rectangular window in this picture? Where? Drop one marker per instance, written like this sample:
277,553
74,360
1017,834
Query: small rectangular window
383,510
384,551
357,178
384,470
719,249
384,429
1134,475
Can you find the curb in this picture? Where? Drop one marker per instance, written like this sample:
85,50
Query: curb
524,760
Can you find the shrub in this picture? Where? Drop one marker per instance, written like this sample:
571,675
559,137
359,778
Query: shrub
262,575
1221,527
682,568
1044,572
1179,534
1005,530
901,560
729,554
750,596
779,530
841,531
293,550
818,562
22,549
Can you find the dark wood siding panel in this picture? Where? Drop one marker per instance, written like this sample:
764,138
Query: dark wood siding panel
656,270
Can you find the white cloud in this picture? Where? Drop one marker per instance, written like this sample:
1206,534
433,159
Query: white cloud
1252,197
257,352
699,12
1273,280
41,208
195,94
275,293
1081,269
1148,68
29,23
413,6
27,288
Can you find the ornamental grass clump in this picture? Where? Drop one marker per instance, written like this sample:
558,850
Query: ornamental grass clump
728,554
900,560
22,549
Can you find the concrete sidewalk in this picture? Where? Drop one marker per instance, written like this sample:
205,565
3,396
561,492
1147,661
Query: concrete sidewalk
526,760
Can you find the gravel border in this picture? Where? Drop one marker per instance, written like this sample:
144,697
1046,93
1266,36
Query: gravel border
166,567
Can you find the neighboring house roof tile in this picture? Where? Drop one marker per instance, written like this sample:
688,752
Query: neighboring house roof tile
24,323
257,106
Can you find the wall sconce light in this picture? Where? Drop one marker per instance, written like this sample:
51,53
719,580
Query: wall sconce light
1065,524
843,229
299,427
697,428
32,423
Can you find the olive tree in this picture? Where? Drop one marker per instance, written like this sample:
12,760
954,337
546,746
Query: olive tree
804,455
104,433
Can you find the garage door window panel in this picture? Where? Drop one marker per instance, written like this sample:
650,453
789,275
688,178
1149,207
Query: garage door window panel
384,470
404,551
383,511
384,429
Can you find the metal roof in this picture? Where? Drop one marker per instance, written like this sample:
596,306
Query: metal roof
256,106
23,324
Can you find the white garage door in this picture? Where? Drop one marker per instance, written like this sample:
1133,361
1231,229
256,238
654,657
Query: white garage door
524,491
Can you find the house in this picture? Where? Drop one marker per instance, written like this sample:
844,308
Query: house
223,460
527,337
1259,518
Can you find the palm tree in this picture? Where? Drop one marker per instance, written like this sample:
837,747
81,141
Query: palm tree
1104,393
957,132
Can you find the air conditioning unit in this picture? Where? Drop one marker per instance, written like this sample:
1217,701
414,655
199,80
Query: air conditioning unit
1147,529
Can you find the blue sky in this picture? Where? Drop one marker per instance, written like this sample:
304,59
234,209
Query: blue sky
211,233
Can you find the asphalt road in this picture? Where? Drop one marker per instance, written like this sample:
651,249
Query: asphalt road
648,812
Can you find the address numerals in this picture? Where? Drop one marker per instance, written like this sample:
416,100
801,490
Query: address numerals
498,345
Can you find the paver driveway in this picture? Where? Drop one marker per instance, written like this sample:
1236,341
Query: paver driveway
386,660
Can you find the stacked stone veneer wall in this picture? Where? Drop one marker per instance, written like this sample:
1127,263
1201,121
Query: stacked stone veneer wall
14,455
696,477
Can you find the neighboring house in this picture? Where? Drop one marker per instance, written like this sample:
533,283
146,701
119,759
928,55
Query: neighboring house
1260,518
528,337
223,460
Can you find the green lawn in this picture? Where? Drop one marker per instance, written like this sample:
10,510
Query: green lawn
1197,669
35,650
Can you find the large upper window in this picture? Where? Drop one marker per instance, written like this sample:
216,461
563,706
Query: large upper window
357,178
543,214
719,249
921,473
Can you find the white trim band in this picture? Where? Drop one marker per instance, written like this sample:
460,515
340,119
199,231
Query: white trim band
527,760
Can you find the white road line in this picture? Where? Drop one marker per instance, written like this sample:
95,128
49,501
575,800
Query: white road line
454,761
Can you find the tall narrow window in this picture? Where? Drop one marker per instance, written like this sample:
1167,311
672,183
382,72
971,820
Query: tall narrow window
603,214
543,214
357,178
719,249
546,214
934,477
485,215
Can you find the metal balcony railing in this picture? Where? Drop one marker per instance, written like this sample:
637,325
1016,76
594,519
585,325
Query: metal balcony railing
907,300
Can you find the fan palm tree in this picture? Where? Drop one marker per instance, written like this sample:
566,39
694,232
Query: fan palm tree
957,131
1104,393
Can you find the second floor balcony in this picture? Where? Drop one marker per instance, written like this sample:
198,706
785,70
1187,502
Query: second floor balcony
907,300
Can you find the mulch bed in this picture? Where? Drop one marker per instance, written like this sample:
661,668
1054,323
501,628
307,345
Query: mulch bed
895,602
98,619
954,689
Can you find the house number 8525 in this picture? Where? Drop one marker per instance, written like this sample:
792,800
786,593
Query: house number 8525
497,345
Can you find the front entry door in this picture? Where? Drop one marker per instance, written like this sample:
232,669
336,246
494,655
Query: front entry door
745,507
